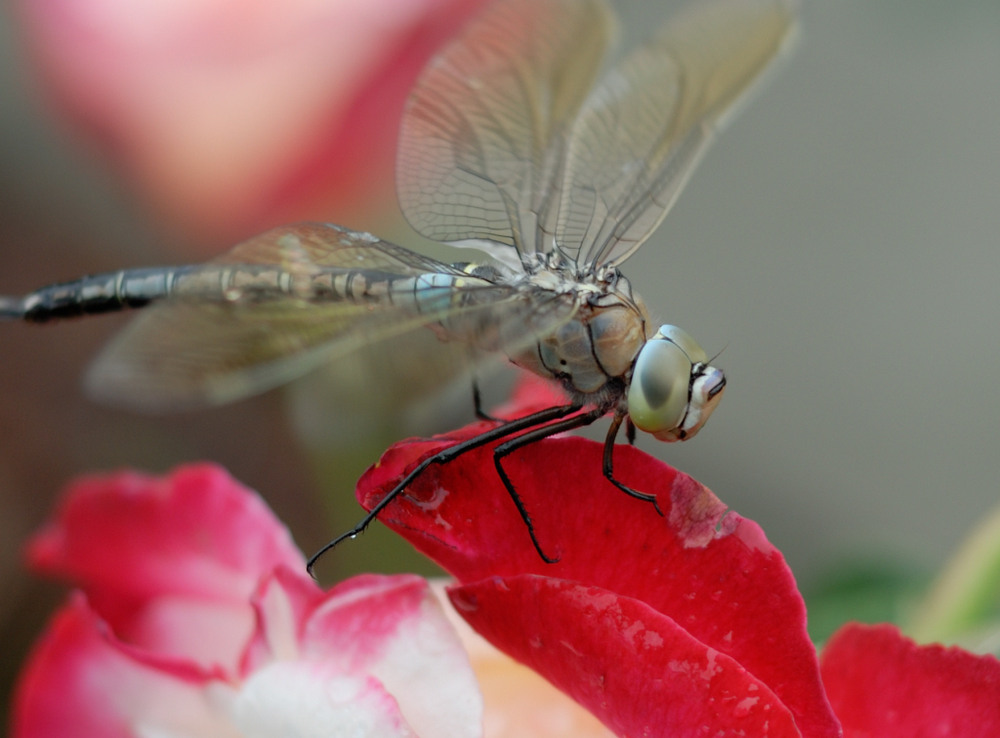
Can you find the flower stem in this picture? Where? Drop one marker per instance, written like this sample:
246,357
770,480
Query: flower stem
966,594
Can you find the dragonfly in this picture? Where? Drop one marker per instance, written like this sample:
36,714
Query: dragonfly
514,141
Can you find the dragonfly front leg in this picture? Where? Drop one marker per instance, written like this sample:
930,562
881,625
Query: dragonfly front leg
609,450
477,402
443,457
533,436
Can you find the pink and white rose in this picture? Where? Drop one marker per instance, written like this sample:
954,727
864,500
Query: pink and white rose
194,617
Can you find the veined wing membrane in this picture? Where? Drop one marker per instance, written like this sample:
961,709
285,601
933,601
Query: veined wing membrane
305,247
643,129
276,317
479,152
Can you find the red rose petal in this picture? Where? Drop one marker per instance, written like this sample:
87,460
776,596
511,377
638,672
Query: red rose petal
883,684
716,576
673,685
531,393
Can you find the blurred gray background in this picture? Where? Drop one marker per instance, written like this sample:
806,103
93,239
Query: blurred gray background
839,244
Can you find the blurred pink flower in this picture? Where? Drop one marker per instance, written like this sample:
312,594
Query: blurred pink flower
234,116
194,617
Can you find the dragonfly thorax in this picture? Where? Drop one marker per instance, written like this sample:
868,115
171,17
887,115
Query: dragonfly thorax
590,355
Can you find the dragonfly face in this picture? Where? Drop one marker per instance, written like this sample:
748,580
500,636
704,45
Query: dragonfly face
512,143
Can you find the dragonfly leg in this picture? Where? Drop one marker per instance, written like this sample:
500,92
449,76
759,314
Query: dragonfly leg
477,401
609,472
443,457
533,436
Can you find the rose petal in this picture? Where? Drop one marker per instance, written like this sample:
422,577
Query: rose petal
393,629
282,604
327,667
883,684
634,668
531,394
213,634
302,660
542,710
170,563
717,577
366,639
80,681
296,699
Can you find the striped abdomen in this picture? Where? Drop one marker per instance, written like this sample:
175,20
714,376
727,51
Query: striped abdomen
135,288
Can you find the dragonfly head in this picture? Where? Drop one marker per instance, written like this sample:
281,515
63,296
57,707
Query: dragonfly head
673,389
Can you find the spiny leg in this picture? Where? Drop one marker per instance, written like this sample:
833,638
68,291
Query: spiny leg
443,457
609,472
533,436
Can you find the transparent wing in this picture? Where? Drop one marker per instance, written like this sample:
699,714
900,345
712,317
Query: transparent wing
642,130
481,136
196,349
307,248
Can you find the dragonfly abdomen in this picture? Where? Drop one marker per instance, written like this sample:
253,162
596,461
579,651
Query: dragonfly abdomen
426,293
92,295
135,288
233,284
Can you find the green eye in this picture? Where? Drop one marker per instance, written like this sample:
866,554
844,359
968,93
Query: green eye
673,390
658,394
695,353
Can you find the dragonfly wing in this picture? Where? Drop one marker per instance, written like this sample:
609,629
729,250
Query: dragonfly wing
192,351
202,348
185,355
304,248
481,136
645,126
182,355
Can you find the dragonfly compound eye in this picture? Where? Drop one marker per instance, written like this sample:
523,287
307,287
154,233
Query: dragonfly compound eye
673,389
